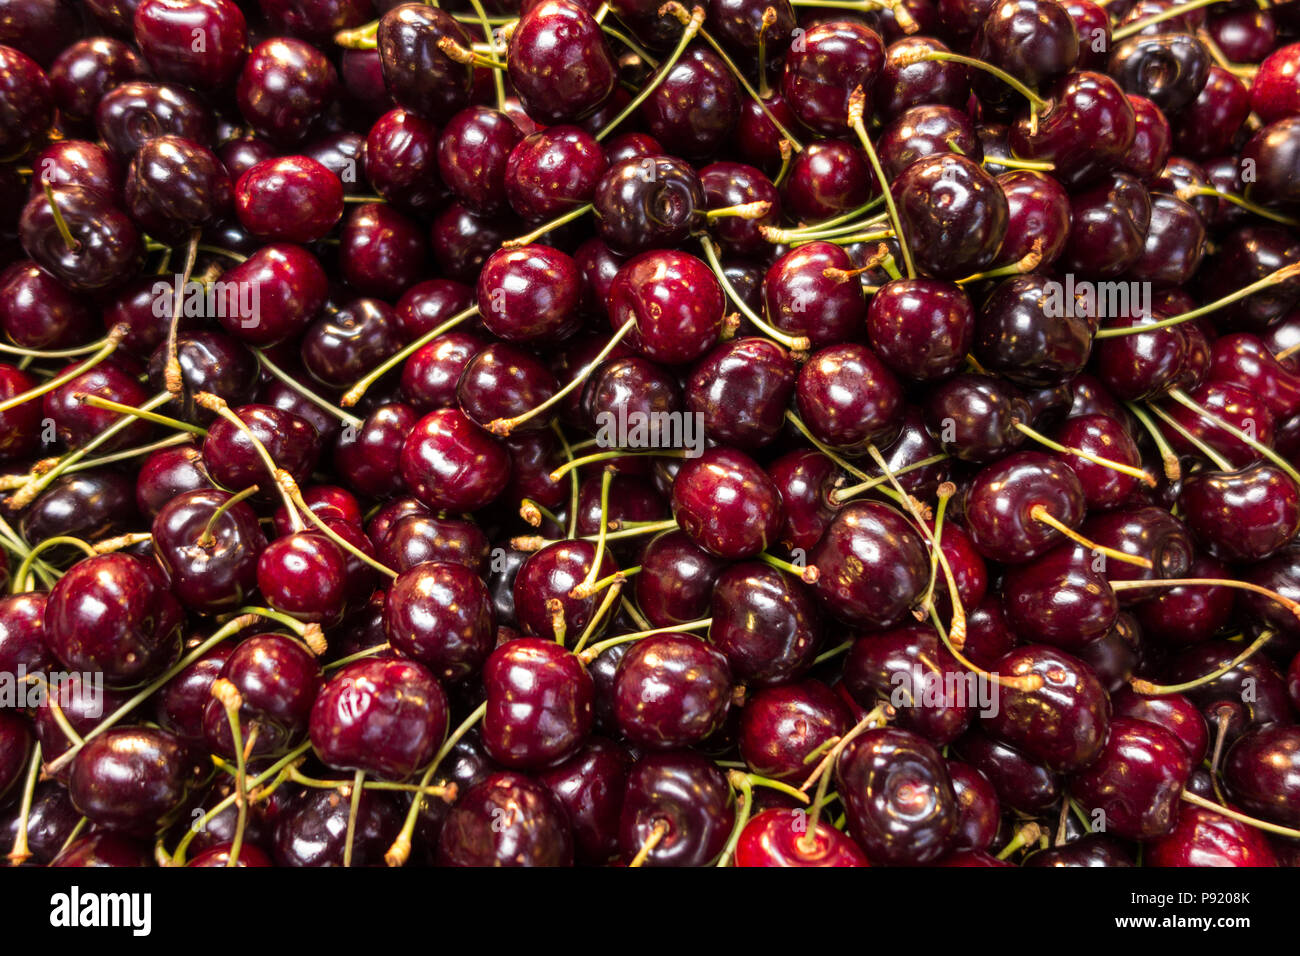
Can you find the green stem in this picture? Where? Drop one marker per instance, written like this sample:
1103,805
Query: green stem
688,34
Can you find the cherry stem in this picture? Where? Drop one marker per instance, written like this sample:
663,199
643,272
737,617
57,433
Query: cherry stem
693,24
358,656
632,529
1258,824
39,482
881,712
533,513
25,568
1221,722
825,449
60,223
591,653
354,807
228,696
1161,690
353,395
364,37
128,453
612,594
1287,352
305,392
808,574
21,852
1025,836
946,492
467,56
585,589
631,44
1215,458
745,210
173,374
830,228
96,401
104,351
290,487
835,651
77,352
575,463
744,806
656,835
1137,26
794,343
1286,602
310,634
574,488
1189,192
768,21
1182,398
497,76
504,426
1173,470
214,403
1268,282
633,613
921,55
400,851
218,251
841,495
752,93
1133,472
206,540
1012,162
1040,513
1027,263
546,227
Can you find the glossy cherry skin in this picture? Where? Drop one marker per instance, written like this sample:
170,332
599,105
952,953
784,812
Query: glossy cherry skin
1106,437
898,798
430,375
87,69
675,302
1169,69
312,828
84,704
180,705
1246,255
39,312
290,287
766,622
828,178
506,819
553,171
624,390
219,856
1262,771
503,381
103,848
821,72
1108,225
209,573
974,417
1189,614
108,247
284,85
909,668
645,203
113,613
289,199
529,292
953,214
872,563
1091,849
799,298
1088,129
379,248
589,786
539,704
304,575
978,810
20,426
90,505
1245,359
233,461
688,796
559,63
136,111
805,479
742,389
676,580
1000,503
1063,723
76,423
131,778
278,680
1020,783
1174,712
441,615
450,463
778,837
780,726
472,153
1205,838
1272,93
22,633
401,161
1022,335
1136,781
26,103
166,31
1242,516
671,690
1056,601
727,504
693,111
847,397
1253,692
384,716
921,329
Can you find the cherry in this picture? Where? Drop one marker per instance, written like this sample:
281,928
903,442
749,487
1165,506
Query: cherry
952,213
440,614
1246,255
166,30
277,680
1087,129
765,622
553,171
1020,783
1202,837
1019,335
921,329
1244,516
671,690
828,178
103,848
646,203
676,580
1109,222
903,84
831,60
978,810
219,856
449,462
131,779
1272,151
1189,614
180,704
341,346
684,798
898,797
1272,93
873,566
472,155
742,389
778,837
102,247
727,504
22,633
501,382
781,726
1006,501
28,107
39,312
1252,691
305,575
1206,127
73,162
797,282
1091,849
559,63
589,786
380,247
289,199
314,20
1136,780
312,830
1174,712
906,666
284,86
134,112
506,819
551,575
381,716
1262,774
1055,601
539,704
289,285
1106,437
736,184
848,398
401,160
529,292
233,461
693,110
1170,69
926,131
430,375
211,559
89,68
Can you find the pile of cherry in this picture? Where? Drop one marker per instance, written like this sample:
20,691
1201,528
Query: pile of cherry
354,511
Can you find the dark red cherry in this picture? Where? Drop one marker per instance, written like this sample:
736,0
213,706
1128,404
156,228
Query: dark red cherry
22,633
198,44
801,299
427,305
76,422
312,828
676,580
766,623
589,786
539,704
1188,614
1272,93
742,388
384,716
779,837
20,426
401,161
503,381
978,809
902,86
1108,226
1202,837
440,614
898,797
693,111
84,705
180,704
1001,501
136,111
369,458
685,797
430,375
805,480
450,463
872,565
1087,130
73,162
421,538
559,63
103,848
1262,771
280,288
974,417
553,171
212,569
1056,601
472,154
1106,437
828,178
1091,849
921,329
551,575
114,613
671,690
1237,405
343,345
278,679
1022,333
26,103
734,184
90,505
652,202
289,199
284,86
304,575
1137,780
106,246
506,819
1174,712
926,131
529,292
1038,217
89,68
953,214
1020,783
39,312
781,726
380,249
233,462
220,854
848,398
1241,516
1170,69
727,504
822,70
131,779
